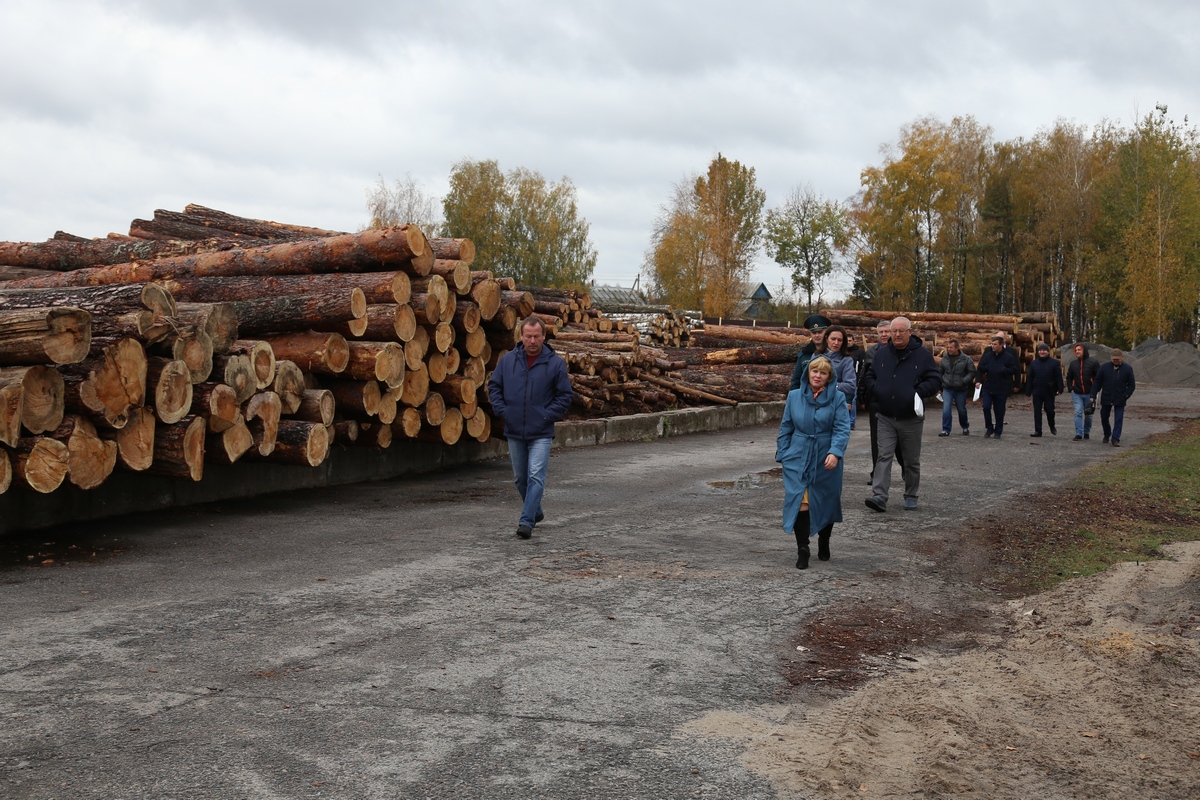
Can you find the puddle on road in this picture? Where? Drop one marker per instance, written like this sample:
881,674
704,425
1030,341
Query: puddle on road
755,480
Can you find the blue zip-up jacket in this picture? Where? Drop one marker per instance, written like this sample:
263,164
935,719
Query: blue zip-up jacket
996,372
530,399
1043,377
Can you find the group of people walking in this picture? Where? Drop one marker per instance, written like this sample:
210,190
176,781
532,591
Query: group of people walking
530,391
899,377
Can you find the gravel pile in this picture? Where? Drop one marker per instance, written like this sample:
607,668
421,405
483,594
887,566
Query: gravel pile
1153,361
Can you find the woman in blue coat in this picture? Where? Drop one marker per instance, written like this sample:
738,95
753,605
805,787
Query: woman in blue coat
812,441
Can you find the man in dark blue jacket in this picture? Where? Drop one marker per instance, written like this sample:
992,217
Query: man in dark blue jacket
901,372
1043,382
530,391
994,374
1114,384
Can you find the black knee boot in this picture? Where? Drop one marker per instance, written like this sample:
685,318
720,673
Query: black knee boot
823,542
801,530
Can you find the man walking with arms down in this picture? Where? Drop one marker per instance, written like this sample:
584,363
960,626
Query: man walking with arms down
1081,374
1114,384
530,391
901,372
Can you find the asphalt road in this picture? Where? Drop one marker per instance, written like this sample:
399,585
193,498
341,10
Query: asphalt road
395,640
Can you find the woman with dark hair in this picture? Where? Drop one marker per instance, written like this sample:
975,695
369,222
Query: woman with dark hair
813,436
837,350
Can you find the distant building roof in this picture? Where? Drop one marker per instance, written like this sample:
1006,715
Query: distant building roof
616,295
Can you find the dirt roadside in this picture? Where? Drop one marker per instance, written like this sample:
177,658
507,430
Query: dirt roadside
1091,689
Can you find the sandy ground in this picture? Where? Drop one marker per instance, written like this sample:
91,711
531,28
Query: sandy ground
1090,691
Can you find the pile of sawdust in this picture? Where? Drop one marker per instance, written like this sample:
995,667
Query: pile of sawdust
1095,692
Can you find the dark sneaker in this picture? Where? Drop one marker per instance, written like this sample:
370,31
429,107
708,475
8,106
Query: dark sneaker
540,516
1087,436
966,431
1116,442
1053,431
1105,440
876,504
988,435
910,504
1035,435
524,531
1078,439
944,433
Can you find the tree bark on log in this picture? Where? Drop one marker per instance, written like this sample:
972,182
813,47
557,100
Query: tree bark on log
453,250
317,405
263,228
218,404
179,449
299,312
298,442
377,287
346,431
356,398
457,274
319,353
59,255
360,252
41,464
456,389
381,361
218,320
31,336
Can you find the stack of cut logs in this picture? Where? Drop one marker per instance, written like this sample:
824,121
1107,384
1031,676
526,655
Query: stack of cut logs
206,337
661,326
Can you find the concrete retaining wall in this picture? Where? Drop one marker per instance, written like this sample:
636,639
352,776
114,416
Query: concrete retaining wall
127,493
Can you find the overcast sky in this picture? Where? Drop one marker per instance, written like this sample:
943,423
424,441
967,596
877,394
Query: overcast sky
290,110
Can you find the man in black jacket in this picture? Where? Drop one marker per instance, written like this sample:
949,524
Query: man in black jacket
1114,384
995,375
1043,382
902,372
958,376
1081,374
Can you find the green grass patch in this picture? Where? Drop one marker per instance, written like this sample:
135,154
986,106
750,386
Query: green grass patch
1122,510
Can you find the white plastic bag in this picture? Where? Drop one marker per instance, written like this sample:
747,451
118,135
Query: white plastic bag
918,406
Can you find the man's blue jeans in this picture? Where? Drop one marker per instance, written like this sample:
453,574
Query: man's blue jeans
950,399
529,458
1083,422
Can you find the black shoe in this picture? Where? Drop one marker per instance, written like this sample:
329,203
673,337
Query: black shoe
1053,431
996,437
1035,435
823,546
966,431
802,550
1087,436
944,433
1105,441
1116,443
988,435
524,531
876,504
540,516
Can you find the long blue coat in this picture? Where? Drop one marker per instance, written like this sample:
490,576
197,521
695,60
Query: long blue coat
812,429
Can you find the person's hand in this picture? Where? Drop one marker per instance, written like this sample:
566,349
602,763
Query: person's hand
831,461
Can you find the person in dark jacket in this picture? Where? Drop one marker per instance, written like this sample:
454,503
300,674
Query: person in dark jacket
1114,385
958,378
994,374
817,326
901,373
883,335
1081,373
860,366
530,391
1043,382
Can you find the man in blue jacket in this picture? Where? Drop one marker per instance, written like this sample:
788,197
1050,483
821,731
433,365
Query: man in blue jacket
1043,382
530,391
995,374
901,371
1114,384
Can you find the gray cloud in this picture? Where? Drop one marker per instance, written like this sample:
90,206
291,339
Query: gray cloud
289,110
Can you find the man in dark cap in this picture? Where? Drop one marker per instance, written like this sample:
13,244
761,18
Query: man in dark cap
1114,385
1043,382
816,325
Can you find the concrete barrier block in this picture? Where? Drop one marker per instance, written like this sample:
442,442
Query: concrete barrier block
633,428
580,433
748,414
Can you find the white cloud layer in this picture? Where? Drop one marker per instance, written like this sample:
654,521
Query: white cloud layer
289,110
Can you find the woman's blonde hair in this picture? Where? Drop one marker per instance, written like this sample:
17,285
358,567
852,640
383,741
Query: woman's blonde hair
822,364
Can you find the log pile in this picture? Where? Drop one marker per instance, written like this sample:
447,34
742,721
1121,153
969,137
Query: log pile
202,337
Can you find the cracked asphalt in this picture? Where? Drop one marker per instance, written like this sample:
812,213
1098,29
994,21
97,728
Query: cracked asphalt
396,640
